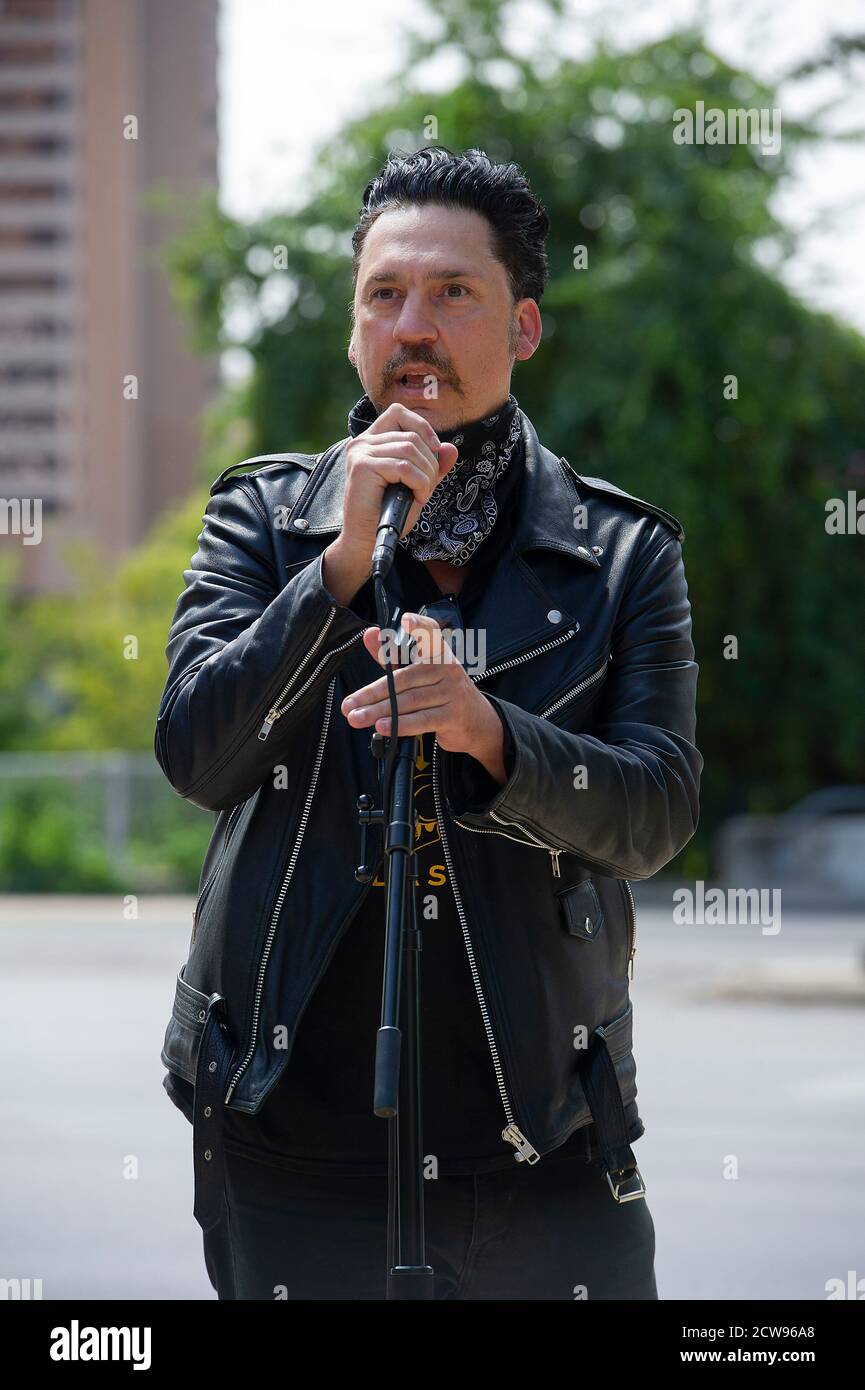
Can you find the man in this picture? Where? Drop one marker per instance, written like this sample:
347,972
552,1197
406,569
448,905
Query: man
550,772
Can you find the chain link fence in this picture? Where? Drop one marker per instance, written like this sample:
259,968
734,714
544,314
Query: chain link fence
96,822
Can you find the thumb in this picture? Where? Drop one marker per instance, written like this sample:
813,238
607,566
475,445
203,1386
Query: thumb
447,457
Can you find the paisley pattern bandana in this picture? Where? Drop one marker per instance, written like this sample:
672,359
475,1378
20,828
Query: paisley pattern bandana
461,512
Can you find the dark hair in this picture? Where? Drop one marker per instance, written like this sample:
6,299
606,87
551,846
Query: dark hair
499,192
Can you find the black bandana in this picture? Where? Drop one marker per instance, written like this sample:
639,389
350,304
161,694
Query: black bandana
462,511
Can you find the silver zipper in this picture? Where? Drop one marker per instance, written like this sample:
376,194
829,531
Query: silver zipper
517,839
532,839
275,712
512,1134
633,926
525,1151
493,671
525,656
563,699
229,830
262,966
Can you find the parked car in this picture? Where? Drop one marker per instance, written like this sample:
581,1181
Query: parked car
814,851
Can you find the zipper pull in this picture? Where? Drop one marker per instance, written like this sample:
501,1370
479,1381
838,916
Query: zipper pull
194,910
266,727
525,1153
631,964
554,857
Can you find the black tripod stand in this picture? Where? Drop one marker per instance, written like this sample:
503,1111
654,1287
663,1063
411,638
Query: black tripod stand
397,1092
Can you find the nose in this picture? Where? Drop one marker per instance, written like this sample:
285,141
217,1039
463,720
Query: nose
414,322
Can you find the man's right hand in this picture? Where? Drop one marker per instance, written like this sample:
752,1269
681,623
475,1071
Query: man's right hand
400,446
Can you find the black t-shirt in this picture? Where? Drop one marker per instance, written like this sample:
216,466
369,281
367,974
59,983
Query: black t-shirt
319,1116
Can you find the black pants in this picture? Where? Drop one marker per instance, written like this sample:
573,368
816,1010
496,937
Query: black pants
528,1232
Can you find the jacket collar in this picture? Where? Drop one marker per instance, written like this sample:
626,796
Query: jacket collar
544,517
516,611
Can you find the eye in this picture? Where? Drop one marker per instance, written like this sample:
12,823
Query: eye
388,289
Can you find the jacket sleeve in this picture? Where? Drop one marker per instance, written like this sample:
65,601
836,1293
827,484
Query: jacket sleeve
241,644
637,803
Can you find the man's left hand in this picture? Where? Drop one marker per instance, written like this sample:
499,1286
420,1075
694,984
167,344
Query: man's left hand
434,694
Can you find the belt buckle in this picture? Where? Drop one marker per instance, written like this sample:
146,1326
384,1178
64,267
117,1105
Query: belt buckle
629,1173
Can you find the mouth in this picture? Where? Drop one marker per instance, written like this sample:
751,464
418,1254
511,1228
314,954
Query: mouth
416,381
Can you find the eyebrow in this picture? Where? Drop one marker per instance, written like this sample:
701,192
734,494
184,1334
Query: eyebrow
435,274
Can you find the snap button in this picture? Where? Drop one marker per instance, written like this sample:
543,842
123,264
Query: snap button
207,1112
208,1154
301,523
202,1015
211,1066
554,616
582,914
598,549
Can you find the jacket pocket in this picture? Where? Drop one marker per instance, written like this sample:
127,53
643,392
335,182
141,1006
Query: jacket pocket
619,1035
581,910
561,707
619,1042
618,1039
185,1027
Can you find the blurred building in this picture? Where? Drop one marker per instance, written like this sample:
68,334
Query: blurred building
100,394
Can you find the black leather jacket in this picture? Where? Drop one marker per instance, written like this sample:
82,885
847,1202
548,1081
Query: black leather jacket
590,660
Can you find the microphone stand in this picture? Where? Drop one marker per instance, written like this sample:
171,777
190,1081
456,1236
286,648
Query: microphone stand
397,1089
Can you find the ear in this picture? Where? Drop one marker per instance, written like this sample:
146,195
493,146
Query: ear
529,330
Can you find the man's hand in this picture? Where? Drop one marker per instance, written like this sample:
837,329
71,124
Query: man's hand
434,694
400,446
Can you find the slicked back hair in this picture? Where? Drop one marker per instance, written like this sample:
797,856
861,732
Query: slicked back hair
499,192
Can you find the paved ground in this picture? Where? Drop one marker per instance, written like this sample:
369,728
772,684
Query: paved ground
96,1197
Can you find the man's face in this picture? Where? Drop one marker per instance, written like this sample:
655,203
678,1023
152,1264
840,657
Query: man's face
431,298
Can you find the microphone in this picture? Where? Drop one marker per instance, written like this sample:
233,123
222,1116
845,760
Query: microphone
395,508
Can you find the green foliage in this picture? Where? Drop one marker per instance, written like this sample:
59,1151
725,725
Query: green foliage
681,293
44,849
52,841
103,656
181,851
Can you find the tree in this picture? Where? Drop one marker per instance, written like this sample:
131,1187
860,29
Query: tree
676,364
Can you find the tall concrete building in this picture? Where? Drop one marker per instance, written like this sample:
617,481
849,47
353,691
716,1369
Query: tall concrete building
100,393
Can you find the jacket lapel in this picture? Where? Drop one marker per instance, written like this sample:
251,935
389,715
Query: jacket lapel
516,611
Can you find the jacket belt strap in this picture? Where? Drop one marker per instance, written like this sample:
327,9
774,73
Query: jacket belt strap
211,1081
601,1086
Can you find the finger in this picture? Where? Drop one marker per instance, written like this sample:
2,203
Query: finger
394,445
398,416
419,477
408,701
430,642
381,643
404,678
425,721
